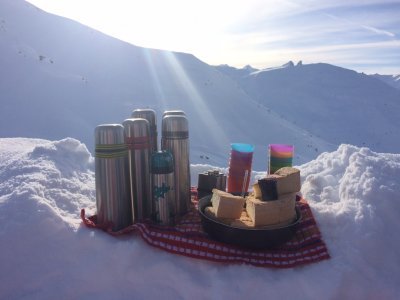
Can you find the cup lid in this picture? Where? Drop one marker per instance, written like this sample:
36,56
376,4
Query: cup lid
240,147
162,162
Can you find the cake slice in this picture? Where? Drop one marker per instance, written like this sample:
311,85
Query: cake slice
269,188
283,181
244,221
226,205
280,212
289,181
209,211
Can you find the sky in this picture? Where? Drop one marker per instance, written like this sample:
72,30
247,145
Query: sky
359,35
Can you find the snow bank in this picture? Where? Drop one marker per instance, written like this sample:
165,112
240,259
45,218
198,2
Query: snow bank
354,193
54,179
45,253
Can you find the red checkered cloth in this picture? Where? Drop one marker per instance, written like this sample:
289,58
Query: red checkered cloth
188,238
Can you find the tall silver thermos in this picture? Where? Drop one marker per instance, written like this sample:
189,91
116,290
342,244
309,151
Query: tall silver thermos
149,115
175,138
138,141
112,177
162,169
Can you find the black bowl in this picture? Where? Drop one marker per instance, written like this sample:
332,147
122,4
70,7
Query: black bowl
250,238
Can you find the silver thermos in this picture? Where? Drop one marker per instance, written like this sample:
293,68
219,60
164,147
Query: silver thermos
112,177
149,115
175,138
138,141
162,169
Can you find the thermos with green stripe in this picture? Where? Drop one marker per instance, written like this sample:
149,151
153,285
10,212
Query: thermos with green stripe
112,177
138,141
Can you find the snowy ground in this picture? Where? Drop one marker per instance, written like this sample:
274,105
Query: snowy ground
46,253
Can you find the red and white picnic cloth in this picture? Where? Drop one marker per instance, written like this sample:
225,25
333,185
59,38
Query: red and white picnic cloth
188,238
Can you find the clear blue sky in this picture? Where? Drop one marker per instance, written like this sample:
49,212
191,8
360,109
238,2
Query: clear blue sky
355,34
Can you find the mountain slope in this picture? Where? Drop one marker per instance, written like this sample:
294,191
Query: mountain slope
64,79
336,104
392,80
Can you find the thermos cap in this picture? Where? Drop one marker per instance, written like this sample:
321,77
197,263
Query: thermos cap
110,141
145,113
162,162
175,126
173,113
137,134
109,134
136,127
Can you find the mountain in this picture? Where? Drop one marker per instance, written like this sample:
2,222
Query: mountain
392,80
64,79
236,73
332,103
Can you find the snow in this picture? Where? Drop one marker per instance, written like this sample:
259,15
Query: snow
392,80
64,79
46,253
60,79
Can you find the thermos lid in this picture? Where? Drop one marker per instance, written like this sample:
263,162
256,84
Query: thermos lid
146,113
109,134
137,134
244,148
136,127
175,127
174,113
162,162
110,141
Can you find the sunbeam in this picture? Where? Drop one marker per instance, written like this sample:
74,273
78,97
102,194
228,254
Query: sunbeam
160,94
214,131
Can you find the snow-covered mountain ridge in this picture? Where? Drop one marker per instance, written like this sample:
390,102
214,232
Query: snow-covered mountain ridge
333,103
63,79
392,80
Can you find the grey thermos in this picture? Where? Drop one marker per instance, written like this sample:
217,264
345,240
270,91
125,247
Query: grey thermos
112,177
175,138
210,180
149,115
162,169
138,141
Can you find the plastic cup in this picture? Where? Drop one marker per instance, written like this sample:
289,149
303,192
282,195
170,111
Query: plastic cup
239,173
279,156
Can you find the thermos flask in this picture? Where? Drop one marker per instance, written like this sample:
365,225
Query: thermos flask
138,141
175,138
112,177
162,169
149,115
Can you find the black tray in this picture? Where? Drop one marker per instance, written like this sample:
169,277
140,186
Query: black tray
253,238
